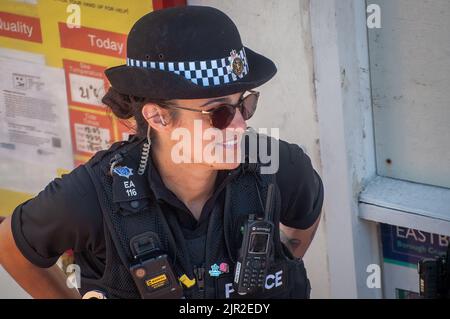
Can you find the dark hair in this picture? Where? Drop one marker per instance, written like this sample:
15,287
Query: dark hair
126,106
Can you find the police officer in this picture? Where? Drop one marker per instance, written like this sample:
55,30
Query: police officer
153,217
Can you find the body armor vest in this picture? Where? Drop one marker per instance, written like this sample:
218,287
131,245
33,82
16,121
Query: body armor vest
130,209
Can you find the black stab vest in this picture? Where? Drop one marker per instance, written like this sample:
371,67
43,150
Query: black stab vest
128,214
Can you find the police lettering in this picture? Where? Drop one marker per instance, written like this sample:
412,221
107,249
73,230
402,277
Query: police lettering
272,280
275,280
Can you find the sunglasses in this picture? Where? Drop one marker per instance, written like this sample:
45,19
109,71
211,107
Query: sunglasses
222,115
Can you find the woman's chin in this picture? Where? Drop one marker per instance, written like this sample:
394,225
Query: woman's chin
224,166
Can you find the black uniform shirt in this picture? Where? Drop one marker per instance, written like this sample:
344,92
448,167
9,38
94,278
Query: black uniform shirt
67,215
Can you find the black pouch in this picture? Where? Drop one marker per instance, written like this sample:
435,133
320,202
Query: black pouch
152,271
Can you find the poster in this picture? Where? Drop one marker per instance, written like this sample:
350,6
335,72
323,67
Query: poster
91,132
86,84
54,53
34,135
22,56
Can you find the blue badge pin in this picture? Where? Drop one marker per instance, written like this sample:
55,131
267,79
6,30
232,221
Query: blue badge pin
123,171
215,272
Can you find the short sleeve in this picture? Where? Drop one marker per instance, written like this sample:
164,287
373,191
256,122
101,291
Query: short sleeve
65,215
300,186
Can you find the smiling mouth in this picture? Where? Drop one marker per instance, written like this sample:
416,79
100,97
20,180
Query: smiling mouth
229,143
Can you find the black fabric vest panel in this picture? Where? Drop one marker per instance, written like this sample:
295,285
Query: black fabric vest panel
124,220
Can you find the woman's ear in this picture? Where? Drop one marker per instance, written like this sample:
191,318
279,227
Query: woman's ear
155,116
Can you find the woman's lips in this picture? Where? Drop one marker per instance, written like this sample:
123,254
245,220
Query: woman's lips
230,143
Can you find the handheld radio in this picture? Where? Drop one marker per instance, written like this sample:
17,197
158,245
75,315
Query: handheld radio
254,255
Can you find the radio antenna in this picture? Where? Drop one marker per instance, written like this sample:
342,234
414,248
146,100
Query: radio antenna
269,203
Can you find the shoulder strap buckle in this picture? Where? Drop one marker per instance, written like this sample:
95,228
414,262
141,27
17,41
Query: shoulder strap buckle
144,244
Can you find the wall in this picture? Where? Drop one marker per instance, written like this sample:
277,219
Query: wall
9,288
343,101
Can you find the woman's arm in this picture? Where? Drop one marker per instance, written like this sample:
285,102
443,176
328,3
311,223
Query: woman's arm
38,282
302,193
298,240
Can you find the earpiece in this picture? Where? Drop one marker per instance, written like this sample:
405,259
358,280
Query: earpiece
163,122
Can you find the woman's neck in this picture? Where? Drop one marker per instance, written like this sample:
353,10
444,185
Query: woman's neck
192,183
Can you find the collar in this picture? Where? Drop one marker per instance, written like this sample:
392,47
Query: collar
163,194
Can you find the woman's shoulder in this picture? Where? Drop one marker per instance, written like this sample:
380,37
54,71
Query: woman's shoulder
65,215
77,190
294,163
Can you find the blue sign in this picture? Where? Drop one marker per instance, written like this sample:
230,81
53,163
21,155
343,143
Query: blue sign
407,245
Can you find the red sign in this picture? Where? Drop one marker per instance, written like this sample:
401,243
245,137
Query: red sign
86,84
90,132
93,40
20,27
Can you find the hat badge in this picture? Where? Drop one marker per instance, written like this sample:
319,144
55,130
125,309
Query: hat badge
237,66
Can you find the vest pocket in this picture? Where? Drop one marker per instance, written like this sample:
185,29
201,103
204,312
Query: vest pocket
132,207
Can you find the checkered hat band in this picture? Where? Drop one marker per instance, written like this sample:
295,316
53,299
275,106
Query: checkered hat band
203,73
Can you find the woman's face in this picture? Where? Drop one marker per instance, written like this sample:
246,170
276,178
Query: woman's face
194,140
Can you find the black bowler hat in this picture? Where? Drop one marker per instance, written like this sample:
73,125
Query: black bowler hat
187,53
